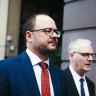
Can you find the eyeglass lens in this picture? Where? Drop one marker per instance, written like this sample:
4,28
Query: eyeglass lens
50,32
87,54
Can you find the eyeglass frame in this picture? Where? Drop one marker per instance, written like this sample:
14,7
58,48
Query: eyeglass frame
86,54
51,30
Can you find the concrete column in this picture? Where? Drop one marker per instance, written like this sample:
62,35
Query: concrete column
13,28
3,26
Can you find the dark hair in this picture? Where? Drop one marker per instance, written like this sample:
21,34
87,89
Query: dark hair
29,24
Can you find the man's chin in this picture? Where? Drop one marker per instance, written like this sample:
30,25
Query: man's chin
53,48
88,69
50,51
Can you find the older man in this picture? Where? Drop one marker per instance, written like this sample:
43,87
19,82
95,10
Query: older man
81,56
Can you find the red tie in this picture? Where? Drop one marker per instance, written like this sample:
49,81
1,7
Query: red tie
45,83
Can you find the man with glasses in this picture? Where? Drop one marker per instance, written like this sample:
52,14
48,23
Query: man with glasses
81,56
31,73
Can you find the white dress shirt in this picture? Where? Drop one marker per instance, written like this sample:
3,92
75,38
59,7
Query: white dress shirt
35,60
77,78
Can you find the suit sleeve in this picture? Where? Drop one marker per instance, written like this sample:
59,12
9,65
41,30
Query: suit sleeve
3,81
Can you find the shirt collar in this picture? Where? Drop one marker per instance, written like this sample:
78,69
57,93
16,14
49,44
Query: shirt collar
34,58
75,75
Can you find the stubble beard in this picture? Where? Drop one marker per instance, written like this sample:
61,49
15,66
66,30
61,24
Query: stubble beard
46,52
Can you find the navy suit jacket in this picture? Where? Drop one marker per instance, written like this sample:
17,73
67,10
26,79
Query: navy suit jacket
72,87
17,78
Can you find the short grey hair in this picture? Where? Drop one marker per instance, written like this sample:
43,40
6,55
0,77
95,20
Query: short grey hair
73,46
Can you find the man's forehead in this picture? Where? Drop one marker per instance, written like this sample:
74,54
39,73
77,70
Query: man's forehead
84,44
85,47
44,18
44,21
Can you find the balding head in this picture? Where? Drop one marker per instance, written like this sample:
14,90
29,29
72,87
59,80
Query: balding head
44,21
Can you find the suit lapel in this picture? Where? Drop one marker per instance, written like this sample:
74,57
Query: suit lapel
28,73
72,86
89,87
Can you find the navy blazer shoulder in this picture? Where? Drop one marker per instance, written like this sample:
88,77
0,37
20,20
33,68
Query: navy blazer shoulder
17,78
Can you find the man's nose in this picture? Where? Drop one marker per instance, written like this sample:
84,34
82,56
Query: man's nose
90,57
54,34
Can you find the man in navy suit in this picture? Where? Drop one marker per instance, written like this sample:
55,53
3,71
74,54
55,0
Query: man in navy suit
81,56
21,75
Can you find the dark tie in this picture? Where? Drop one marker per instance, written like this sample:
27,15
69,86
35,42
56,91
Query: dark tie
82,87
45,83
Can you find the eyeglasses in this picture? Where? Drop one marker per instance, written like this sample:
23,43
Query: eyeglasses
86,55
49,31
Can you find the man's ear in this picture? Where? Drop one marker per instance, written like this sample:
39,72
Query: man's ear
28,36
71,55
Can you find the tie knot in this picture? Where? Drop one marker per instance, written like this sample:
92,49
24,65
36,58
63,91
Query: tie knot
43,65
82,80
